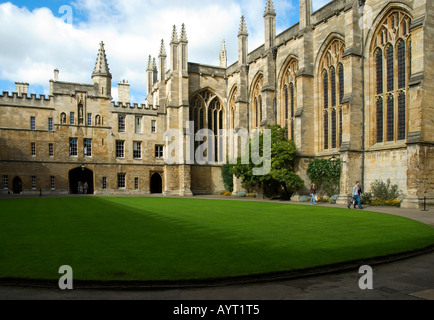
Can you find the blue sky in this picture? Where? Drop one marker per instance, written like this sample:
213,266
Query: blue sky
39,36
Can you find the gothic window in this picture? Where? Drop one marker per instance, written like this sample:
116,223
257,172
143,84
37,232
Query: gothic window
333,90
232,109
392,57
289,83
206,111
256,99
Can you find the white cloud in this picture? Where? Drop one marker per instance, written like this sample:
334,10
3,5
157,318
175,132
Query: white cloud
39,41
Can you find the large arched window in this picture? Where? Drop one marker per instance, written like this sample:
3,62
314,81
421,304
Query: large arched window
206,111
287,113
332,94
391,56
256,103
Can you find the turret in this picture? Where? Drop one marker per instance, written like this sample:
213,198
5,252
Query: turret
183,51
101,75
149,76
270,25
174,50
162,62
242,42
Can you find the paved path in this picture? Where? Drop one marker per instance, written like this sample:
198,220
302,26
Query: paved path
406,279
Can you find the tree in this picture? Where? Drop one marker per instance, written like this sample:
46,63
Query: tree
281,175
326,175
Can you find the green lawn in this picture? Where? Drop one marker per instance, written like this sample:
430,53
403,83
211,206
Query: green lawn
172,239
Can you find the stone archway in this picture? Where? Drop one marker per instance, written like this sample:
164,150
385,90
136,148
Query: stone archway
17,185
156,183
78,178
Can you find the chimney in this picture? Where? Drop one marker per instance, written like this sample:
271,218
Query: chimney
22,88
124,92
56,74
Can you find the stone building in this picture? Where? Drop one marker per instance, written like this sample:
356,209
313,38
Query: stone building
352,80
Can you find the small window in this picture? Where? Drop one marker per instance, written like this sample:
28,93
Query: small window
33,149
32,123
33,182
154,126
120,150
5,182
89,119
72,118
136,183
88,147
73,147
121,181
50,150
50,124
137,150
138,124
121,120
104,183
52,183
159,152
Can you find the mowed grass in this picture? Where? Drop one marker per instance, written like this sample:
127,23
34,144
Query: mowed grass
180,239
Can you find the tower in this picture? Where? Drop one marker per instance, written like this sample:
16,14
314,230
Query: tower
101,76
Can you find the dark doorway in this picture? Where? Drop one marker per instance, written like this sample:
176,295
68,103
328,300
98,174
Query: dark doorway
156,183
81,181
17,185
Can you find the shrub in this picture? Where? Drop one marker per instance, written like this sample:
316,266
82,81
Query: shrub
366,198
241,194
385,191
251,195
228,177
326,175
227,193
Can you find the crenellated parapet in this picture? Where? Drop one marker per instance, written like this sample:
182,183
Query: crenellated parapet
134,106
32,100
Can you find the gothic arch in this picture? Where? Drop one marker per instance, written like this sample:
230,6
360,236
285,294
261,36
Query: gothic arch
390,67
330,86
256,102
287,95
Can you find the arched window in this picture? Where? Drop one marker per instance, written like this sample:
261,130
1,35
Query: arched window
392,57
256,102
206,111
288,85
333,90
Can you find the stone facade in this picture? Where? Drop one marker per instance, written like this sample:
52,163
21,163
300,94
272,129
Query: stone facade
351,80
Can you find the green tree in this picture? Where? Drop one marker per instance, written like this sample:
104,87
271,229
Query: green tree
281,175
326,175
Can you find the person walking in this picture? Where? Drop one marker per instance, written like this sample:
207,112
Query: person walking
356,195
312,193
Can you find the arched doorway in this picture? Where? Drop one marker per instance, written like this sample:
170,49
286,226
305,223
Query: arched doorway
79,179
17,185
156,183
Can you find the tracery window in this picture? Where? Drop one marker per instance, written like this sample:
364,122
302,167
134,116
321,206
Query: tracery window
289,83
257,112
332,82
392,57
206,111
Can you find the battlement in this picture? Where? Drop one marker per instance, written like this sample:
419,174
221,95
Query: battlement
25,100
134,106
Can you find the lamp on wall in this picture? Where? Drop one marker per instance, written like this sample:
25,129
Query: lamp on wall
82,167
